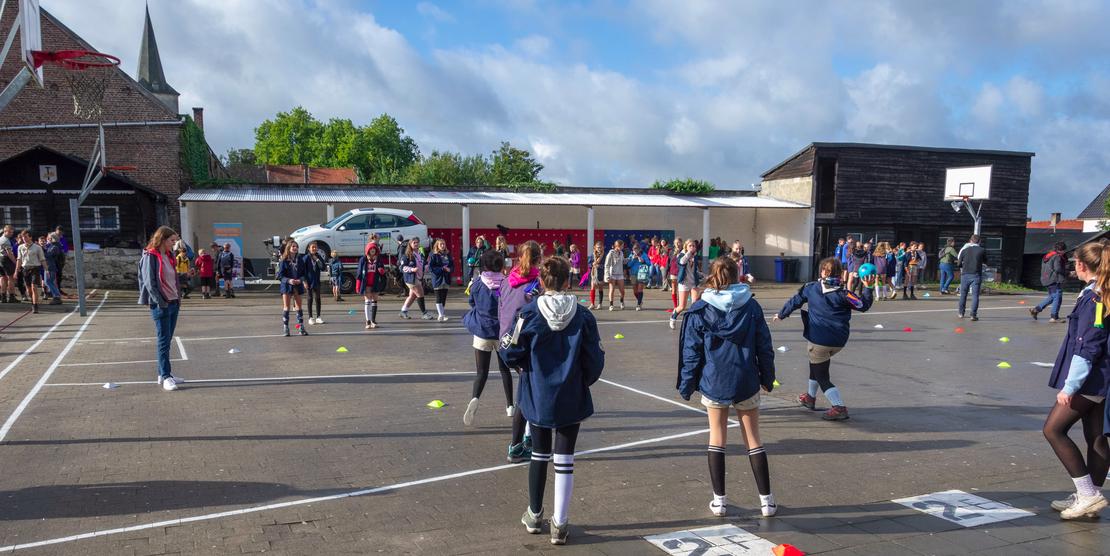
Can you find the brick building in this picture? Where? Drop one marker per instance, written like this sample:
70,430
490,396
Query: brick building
142,129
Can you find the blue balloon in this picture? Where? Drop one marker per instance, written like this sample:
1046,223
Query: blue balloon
865,270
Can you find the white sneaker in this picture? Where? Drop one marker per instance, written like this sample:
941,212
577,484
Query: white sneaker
319,320
672,323
1061,505
177,379
769,508
719,507
443,318
510,411
427,316
373,325
471,409
639,308
611,308
1085,506
169,384
622,305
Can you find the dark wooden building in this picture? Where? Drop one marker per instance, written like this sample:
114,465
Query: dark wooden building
896,193
36,186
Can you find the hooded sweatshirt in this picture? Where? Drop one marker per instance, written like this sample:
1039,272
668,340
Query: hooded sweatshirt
557,308
481,320
726,351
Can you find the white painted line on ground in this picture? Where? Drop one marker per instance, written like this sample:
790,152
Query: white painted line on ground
100,363
660,398
49,371
319,499
181,347
271,378
35,345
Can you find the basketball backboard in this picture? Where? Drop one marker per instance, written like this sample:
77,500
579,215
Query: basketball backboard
970,182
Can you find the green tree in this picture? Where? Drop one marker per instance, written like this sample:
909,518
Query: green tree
290,138
337,145
384,150
687,186
443,168
510,165
240,156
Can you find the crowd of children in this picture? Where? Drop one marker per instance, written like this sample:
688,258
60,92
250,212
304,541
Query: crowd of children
33,266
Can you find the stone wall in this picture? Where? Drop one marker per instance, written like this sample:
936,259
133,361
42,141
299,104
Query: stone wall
111,267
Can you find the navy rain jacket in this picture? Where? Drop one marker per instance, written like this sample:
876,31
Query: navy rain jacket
827,321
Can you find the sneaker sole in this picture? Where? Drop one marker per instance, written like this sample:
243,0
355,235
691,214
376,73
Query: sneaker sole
531,530
471,409
1090,511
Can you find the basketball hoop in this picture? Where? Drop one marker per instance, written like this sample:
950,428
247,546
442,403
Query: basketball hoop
119,168
87,73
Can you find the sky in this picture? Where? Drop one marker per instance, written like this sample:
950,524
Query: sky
612,93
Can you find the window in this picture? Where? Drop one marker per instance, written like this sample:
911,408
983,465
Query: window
826,185
18,217
405,222
98,218
858,236
360,222
992,243
381,221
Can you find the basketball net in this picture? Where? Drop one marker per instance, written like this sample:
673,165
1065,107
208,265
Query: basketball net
87,74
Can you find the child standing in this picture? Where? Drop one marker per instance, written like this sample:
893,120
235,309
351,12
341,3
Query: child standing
521,287
335,270
913,261
206,270
826,327
1082,374
481,320
439,264
727,355
880,261
291,272
558,350
370,281
181,264
412,268
689,278
639,273
575,259
314,264
597,276
614,272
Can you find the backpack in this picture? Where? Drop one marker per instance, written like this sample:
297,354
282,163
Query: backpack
508,307
643,271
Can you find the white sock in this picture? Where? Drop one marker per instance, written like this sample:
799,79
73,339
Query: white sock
833,395
812,388
564,484
405,306
768,500
366,310
527,428
439,309
720,500
1084,486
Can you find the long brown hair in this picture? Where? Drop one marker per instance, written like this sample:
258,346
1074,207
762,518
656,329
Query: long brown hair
159,237
830,265
1096,257
286,251
530,255
723,273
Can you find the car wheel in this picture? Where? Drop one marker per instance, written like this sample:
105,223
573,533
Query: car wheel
322,246
347,283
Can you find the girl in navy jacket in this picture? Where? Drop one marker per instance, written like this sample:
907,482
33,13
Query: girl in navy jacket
335,268
412,272
314,263
558,349
370,280
826,326
689,279
1082,374
726,354
439,265
481,320
291,271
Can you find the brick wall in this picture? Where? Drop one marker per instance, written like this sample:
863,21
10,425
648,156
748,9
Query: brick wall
154,150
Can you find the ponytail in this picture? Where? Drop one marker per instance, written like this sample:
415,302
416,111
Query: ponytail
1102,270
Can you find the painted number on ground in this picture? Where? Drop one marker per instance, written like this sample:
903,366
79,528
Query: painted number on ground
711,541
962,508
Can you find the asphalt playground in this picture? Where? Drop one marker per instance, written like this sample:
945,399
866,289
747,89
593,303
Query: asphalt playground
288,446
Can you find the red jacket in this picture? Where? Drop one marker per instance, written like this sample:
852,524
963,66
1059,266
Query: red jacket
206,267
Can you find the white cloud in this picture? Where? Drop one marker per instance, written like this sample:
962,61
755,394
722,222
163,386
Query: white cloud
536,46
434,12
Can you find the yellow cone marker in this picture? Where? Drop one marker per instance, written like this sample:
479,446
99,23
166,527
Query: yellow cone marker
776,383
341,349
436,404
1003,365
1004,340
619,336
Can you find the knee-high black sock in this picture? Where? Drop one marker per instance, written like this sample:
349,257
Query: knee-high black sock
481,365
285,318
420,303
300,316
506,381
518,428
717,468
639,298
537,481
374,311
760,470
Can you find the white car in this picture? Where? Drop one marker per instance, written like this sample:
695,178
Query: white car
349,232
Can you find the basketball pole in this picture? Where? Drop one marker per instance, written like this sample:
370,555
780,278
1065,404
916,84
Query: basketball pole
97,163
978,218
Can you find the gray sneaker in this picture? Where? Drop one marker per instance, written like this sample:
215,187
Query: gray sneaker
1061,505
532,522
559,533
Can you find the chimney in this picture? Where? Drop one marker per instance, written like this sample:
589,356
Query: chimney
1054,220
304,168
198,116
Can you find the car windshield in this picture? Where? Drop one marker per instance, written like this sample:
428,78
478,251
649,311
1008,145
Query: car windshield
335,221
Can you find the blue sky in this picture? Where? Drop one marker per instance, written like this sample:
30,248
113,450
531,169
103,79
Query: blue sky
613,93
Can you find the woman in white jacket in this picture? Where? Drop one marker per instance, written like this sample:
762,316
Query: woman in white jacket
614,272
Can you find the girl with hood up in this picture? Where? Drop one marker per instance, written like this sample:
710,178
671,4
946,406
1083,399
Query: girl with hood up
481,320
557,347
727,355
370,281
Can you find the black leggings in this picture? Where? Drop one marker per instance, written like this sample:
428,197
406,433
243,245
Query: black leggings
441,296
565,437
819,372
481,363
1060,421
313,294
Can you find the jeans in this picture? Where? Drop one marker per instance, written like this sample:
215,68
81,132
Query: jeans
165,322
1055,297
52,284
947,274
970,282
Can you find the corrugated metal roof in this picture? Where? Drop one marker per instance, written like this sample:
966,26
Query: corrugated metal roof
1097,209
426,197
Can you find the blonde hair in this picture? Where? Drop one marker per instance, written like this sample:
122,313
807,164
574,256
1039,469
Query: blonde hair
201,252
881,249
1096,257
501,243
159,237
529,257
436,246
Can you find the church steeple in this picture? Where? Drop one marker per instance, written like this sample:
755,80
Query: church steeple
150,74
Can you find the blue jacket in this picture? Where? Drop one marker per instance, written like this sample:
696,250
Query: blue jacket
415,263
314,266
726,352
335,268
367,278
150,272
1085,348
481,320
683,268
440,268
557,367
634,263
225,262
826,322
838,254
292,270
